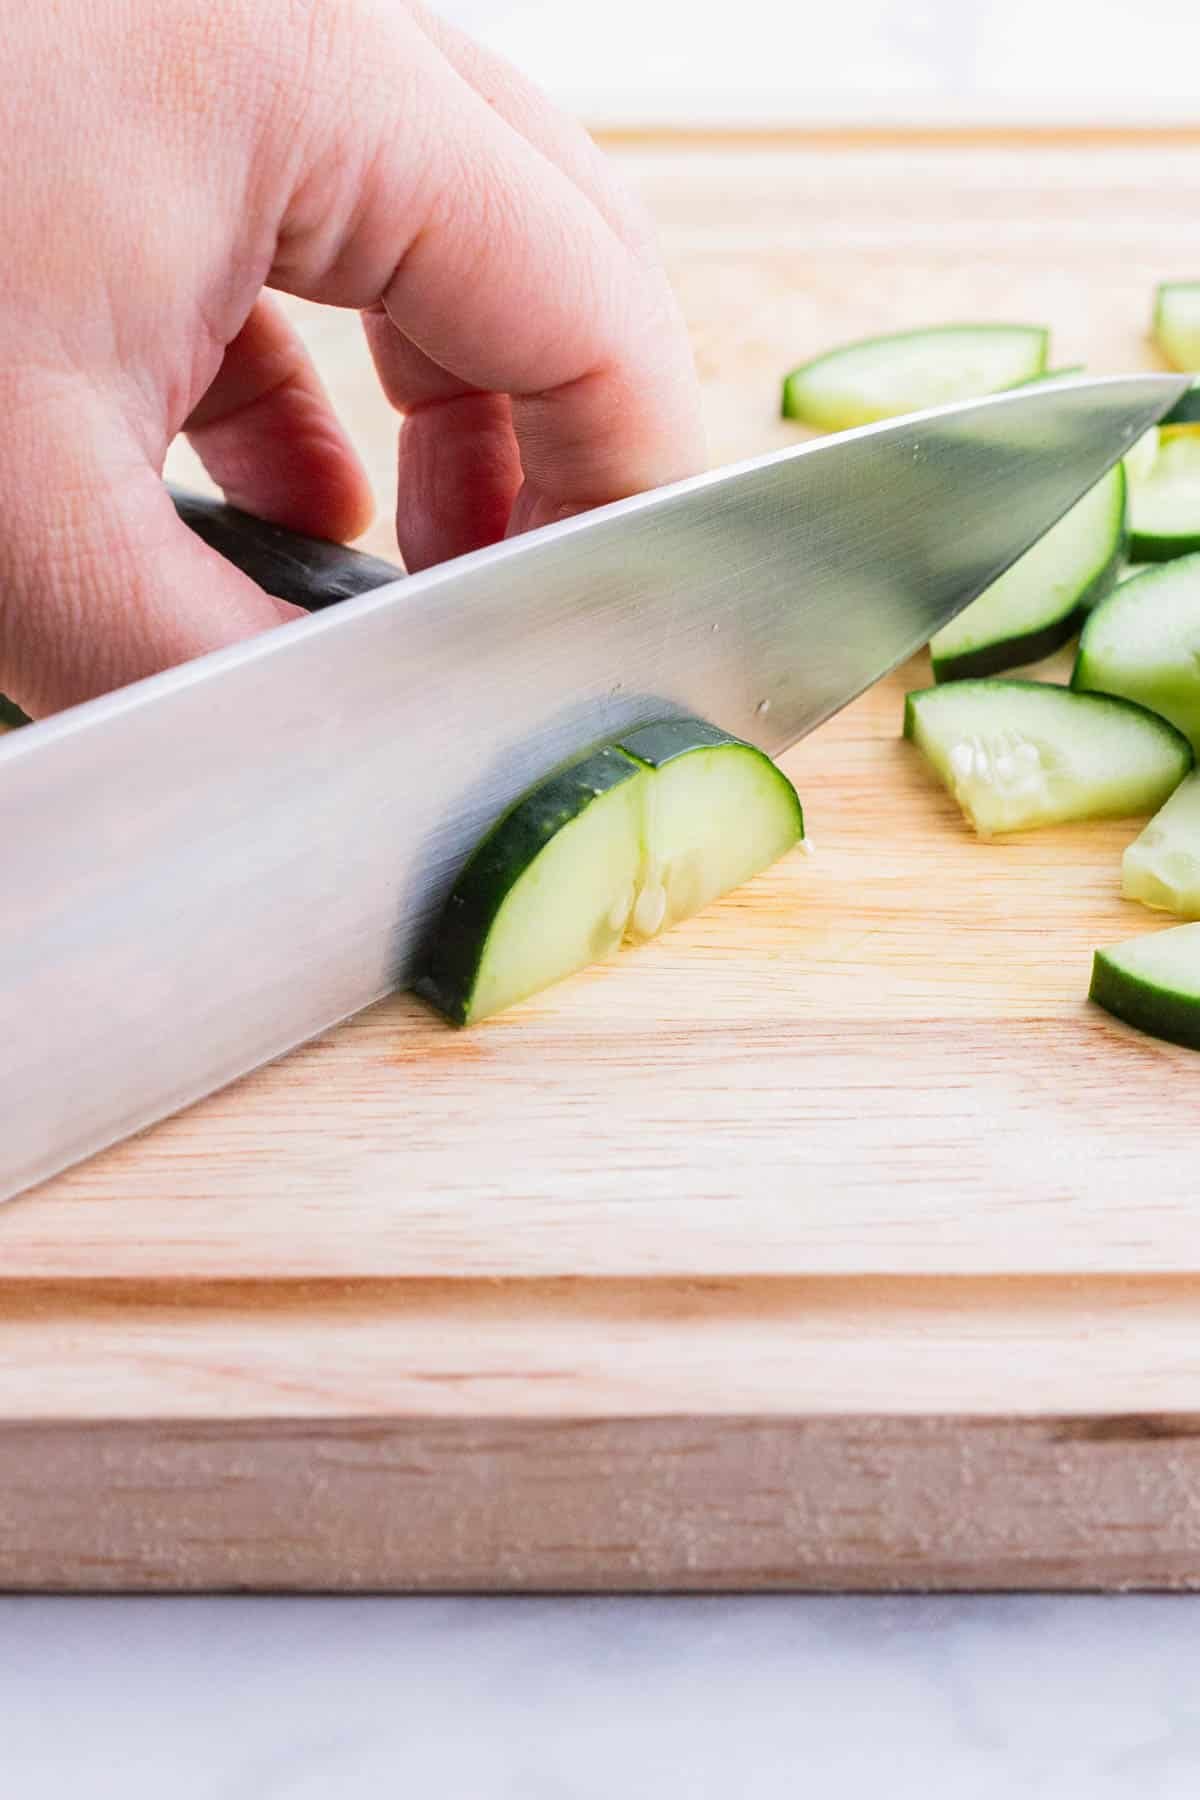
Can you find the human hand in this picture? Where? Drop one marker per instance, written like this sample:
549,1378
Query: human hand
165,166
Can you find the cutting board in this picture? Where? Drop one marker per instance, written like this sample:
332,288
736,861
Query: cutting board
832,1241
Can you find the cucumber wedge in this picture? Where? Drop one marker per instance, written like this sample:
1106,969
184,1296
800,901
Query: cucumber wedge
1177,322
1153,982
1065,373
613,848
1161,868
880,378
1141,456
1018,754
1164,497
1038,604
1143,642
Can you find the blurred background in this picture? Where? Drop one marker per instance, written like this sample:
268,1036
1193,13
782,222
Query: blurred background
635,62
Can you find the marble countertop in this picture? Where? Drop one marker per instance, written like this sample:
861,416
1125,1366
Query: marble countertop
1078,1698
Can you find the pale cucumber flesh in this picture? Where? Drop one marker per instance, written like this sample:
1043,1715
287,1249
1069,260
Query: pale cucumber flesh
1143,642
881,378
1177,323
1164,497
712,819
571,905
1161,868
1153,983
1019,754
1036,605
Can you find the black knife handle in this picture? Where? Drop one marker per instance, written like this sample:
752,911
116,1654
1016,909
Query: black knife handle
310,572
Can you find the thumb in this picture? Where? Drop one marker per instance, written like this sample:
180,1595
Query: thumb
100,582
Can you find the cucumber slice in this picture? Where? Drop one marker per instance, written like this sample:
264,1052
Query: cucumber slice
1164,497
882,377
615,847
1066,373
717,812
1143,642
1141,456
1153,982
1017,754
1037,604
1162,867
1177,322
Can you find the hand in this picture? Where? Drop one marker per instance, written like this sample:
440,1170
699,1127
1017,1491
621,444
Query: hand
164,165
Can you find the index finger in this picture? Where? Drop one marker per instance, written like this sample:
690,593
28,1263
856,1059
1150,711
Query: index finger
500,271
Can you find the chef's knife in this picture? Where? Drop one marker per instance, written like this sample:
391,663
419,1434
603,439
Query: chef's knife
212,865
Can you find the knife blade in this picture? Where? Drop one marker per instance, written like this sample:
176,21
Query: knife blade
210,866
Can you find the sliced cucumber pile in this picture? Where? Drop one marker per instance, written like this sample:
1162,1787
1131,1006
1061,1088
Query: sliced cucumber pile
879,378
1153,982
1177,323
614,848
1038,603
1019,754
1161,868
1143,642
1164,496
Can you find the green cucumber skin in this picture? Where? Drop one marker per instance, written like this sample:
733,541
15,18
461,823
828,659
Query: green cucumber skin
666,739
1009,653
1031,646
788,410
460,935
1157,549
310,572
1141,1004
11,714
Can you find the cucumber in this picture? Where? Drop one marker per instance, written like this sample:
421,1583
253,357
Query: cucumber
11,714
1140,458
882,377
1164,496
1153,982
1143,642
1177,322
613,848
1161,868
1065,373
1017,754
1038,603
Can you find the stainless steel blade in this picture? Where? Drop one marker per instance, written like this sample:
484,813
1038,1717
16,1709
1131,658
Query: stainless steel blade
210,866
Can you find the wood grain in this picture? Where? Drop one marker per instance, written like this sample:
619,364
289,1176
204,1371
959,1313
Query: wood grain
833,1240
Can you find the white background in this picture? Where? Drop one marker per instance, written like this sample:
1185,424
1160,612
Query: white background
787,61
1066,1699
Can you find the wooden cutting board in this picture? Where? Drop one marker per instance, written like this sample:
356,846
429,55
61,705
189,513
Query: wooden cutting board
833,1241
